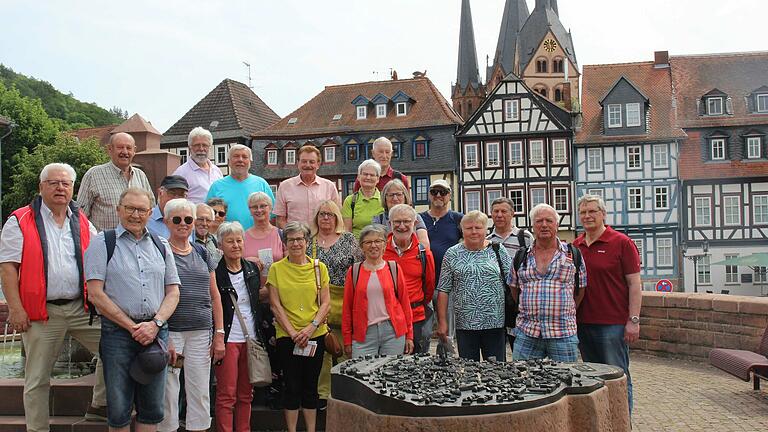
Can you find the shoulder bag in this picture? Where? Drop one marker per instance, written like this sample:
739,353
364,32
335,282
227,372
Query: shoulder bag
259,370
332,344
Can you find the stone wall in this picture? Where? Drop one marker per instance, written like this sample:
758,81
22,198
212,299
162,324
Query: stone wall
690,325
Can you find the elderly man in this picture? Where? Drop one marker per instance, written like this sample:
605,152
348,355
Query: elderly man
609,316
382,153
298,197
198,169
235,188
41,258
132,281
504,230
418,266
102,185
172,186
548,280
203,237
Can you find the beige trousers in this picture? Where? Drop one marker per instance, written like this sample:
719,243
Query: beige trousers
42,344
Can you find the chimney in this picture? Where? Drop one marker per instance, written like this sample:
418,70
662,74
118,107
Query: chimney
660,59
567,102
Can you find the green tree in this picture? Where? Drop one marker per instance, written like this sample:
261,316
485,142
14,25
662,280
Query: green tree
27,166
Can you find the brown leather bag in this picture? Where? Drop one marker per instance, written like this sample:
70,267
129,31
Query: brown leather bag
332,344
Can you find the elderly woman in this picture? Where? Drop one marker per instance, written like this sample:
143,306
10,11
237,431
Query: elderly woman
203,237
199,310
376,316
359,208
298,293
239,283
418,264
337,249
219,214
395,193
471,271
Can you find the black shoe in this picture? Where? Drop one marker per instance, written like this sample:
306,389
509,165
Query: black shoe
322,404
96,413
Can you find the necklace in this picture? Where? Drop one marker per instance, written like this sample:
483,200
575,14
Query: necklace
181,250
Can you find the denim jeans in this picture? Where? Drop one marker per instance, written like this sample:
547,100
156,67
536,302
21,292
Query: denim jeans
380,339
564,349
605,344
489,342
118,349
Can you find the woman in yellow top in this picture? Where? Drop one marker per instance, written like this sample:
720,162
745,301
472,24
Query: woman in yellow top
293,296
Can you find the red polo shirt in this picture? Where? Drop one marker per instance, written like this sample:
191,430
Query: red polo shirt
609,259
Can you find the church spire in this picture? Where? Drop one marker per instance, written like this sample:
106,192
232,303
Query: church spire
467,73
513,18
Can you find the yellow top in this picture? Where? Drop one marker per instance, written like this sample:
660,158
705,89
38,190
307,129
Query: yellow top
298,293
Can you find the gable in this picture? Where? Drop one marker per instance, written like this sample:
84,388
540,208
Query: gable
714,92
623,91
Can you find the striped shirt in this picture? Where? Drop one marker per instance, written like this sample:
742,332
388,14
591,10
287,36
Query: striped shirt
547,307
194,309
100,192
511,242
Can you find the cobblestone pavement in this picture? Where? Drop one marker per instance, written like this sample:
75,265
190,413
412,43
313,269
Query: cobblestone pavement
680,395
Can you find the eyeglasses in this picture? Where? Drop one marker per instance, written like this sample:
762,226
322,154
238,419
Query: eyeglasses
141,211
436,192
401,222
378,242
323,215
177,220
395,195
257,207
65,184
295,240
365,174
203,220
220,213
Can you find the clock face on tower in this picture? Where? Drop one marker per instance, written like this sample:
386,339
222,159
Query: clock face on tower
550,45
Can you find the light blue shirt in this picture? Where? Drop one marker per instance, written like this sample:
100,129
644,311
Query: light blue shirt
235,194
156,224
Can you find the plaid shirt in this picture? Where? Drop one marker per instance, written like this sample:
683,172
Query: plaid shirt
100,192
547,307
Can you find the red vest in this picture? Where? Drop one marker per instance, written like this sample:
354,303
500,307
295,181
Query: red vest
33,270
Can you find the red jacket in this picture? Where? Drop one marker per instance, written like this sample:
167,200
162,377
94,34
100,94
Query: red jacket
411,265
33,270
354,315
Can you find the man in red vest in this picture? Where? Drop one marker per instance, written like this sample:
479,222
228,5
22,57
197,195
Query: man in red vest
41,264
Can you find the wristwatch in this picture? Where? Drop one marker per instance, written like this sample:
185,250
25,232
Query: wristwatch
635,319
221,331
158,322
315,323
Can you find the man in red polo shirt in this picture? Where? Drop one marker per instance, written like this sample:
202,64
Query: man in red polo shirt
609,316
382,153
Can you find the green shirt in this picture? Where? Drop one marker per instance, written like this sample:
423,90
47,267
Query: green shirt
365,210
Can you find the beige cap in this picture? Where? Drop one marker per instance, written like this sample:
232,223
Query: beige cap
440,184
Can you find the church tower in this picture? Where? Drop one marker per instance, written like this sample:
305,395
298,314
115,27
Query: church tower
468,92
505,59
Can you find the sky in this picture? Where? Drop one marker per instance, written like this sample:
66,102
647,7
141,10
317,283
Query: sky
158,58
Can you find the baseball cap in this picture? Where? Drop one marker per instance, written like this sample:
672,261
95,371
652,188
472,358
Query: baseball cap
175,182
440,184
150,361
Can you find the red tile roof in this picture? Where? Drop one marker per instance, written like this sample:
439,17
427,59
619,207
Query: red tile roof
656,84
316,116
136,124
102,133
691,166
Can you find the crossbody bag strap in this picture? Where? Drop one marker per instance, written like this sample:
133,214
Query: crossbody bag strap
239,315
317,283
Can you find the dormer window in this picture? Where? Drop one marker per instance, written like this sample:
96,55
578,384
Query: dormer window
271,157
290,157
402,103
762,103
614,115
401,109
633,114
362,112
717,146
381,110
715,106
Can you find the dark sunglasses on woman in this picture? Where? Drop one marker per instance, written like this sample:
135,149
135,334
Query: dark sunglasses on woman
177,220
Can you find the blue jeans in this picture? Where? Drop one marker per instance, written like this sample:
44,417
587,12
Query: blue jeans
605,344
118,349
490,342
564,349
380,339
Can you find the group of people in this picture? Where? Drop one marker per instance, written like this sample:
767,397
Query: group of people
173,285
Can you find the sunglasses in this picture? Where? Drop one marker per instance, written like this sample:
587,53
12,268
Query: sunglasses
221,213
436,192
177,220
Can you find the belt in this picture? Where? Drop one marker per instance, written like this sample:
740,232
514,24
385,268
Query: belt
61,302
416,304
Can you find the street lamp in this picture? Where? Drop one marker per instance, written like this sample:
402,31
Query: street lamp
695,258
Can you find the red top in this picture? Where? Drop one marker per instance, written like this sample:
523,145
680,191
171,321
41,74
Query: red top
411,265
609,259
354,314
386,178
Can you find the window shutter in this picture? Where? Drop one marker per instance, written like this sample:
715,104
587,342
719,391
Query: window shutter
700,107
751,102
729,106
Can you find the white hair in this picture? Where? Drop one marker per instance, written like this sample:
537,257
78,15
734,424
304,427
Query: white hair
199,132
205,207
228,229
402,208
541,207
586,199
259,196
57,166
238,147
178,204
380,141
369,163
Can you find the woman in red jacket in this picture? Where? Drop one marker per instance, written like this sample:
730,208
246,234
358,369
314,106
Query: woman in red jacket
376,314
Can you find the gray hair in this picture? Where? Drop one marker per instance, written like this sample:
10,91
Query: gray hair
204,207
592,198
136,191
373,229
475,216
369,163
57,166
394,183
238,147
199,132
178,204
294,227
216,201
259,196
504,200
539,208
380,141
402,208
228,229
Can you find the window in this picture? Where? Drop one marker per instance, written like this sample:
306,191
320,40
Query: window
703,274
290,157
660,156
596,192
541,66
271,157
470,155
395,150
538,196
329,154
753,148
558,152
368,149
718,149
731,271
639,245
664,252
493,158
557,65
336,117
760,205
762,103
537,152
614,115
472,200
634,159
633,115
183,153
273,188
353,152
491,195
221,155
635,198
381,110
420,149
715,106
703,213
594,159
761,275
362,112
421,191
661,197
401,109
561,199
511,109
293,120
732,210
516,195
558,94
516,153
